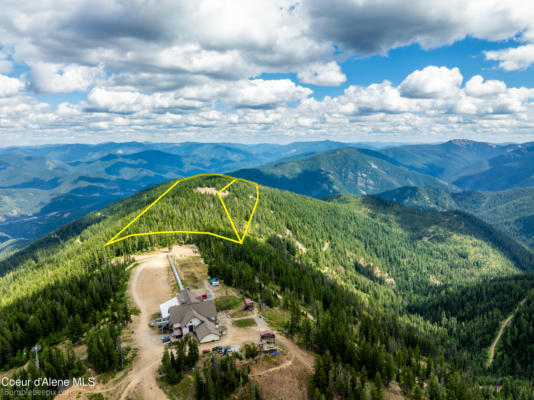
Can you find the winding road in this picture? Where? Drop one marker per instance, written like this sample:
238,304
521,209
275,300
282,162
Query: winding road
504,324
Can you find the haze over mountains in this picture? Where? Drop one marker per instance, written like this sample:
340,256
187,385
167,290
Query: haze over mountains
44,187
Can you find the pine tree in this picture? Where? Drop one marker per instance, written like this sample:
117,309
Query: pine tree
170,373
434,388
76,327
417,393
192,353
378,388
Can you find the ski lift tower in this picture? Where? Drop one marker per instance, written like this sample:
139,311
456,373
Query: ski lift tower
37,349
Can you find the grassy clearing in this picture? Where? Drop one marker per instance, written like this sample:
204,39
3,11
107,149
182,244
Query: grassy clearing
245,323
276,318
193,271
227,302
184,390
240,313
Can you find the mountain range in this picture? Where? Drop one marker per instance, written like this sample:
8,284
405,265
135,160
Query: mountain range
44,187
346,170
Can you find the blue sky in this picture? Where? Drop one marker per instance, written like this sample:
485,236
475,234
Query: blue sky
394,66
256,71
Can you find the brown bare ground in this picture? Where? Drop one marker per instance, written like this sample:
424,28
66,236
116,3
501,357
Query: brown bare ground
210,190
285,383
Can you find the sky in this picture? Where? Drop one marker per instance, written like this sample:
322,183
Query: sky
273,71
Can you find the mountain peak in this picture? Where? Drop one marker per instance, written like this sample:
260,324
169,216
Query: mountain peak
462,142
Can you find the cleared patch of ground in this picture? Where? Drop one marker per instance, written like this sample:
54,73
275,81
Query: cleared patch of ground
240,314
192,270
228,302
276,318
290,382
244,322
210,190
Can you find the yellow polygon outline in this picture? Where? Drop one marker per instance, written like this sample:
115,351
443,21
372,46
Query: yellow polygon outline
239,238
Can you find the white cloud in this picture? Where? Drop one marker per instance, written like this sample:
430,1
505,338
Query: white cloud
328,74
259,93
370,27
476,86
114,101
513,58
189,68
10,86
375,98
431,82
58,78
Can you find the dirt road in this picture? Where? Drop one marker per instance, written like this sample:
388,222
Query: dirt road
149,287
504,324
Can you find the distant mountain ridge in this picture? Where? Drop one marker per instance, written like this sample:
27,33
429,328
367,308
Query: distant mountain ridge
346,170
513,168
445,160
511,211
43,187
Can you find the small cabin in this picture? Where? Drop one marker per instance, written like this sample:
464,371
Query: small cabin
267,341
267,336
248,304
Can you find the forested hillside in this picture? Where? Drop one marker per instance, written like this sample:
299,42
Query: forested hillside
515,168
511,211
363,267
347,170
445,160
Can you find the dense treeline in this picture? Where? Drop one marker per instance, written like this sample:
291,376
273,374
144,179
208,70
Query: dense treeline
64,309
54,364
104,348
219,377
515,350
180,360
473,313
522,256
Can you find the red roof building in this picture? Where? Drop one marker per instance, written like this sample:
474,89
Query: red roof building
267,336
249,304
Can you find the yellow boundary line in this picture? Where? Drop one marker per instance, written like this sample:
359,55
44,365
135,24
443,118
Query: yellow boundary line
239,240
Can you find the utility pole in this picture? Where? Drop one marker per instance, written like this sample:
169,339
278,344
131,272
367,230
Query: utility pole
37,349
